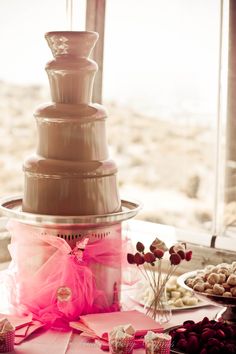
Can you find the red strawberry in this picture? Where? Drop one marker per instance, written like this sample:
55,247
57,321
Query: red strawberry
220,334
171,249
203,351
182,344
213,342
207,334
130,258
152,248
205,321
181,253
149,257
175,259
193,344
140,247
188,256
158,253
138,258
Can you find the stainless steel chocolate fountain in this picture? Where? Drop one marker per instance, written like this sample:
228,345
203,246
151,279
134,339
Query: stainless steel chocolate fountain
70,186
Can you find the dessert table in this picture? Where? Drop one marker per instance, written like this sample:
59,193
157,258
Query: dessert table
71,342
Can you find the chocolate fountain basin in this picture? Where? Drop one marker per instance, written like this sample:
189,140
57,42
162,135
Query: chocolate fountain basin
12,207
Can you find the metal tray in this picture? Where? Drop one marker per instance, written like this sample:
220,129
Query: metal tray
11,207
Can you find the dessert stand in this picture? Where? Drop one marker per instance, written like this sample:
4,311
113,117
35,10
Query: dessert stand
74,229
227,314
68,254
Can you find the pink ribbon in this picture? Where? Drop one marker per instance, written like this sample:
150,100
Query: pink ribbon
52,282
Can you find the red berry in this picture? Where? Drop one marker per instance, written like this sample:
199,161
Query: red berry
231,348
193,344
171,250
175,259
204,321
229,332
152,248
140,247
188,256
181,253
138,259
149,257
130,258
220,334
182,344
203,351
158,253
188,323
214,350
213,342
207,334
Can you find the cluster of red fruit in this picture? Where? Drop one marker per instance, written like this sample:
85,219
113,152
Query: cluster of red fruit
156,251
204,337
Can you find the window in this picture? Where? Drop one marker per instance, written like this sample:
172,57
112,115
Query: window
160,82
23,80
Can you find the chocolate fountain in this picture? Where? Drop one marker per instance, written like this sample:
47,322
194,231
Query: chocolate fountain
70,188
72,173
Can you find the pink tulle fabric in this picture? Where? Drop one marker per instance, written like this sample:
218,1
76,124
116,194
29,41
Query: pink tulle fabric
42,264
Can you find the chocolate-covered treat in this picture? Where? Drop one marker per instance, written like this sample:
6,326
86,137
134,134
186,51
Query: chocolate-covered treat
204,337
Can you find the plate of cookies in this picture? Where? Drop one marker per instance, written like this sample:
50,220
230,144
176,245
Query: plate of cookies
216,285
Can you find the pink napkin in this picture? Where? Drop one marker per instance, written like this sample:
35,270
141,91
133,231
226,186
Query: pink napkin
21,332
30,329
101,324
17,321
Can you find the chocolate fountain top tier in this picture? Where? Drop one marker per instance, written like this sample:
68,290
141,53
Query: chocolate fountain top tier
71,73
78,44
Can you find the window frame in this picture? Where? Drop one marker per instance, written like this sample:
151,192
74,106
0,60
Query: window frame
95,21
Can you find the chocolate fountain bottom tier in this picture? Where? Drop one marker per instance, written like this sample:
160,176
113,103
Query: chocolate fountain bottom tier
56,187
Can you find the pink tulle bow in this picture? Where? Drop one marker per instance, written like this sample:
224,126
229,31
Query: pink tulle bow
51,281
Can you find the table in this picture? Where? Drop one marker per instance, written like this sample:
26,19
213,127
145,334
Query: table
54,342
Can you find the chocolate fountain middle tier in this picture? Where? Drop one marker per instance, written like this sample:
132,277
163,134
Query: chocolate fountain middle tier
71,172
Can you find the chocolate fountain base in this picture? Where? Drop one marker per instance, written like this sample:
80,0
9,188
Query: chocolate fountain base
104,233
